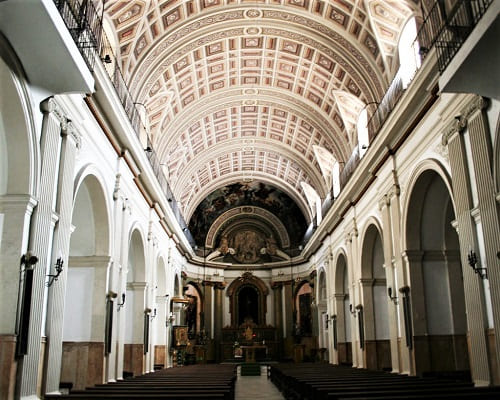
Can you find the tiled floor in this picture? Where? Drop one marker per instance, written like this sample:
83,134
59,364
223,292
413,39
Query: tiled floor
256,387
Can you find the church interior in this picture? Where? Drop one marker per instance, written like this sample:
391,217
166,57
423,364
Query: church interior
309,185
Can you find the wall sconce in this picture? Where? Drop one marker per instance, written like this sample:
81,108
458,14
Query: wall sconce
472,258
393,299
58,268
29,260
153,315
329,319
120,305
351,310
106,59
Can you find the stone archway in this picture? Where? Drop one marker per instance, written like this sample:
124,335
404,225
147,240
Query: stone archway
376,349
19,174
436,284
135,305
243,288
85,312
342,322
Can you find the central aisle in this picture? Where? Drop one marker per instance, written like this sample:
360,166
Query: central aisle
256,387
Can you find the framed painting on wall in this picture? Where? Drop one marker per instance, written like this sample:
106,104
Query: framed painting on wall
180,333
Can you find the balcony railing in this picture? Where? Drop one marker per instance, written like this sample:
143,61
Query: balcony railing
457,29
85,26
448,35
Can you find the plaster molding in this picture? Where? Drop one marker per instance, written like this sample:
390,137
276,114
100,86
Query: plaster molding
458,125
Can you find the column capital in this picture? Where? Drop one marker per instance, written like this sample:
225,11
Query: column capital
68,130
413,255
477,103
275,285
136,285
367,282
50,106
384,202
458,125
21,201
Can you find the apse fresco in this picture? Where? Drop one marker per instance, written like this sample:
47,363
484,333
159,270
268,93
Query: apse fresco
256,194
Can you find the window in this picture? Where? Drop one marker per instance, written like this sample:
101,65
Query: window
408,48
336,179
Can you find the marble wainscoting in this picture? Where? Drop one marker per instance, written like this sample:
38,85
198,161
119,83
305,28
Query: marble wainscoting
344,352
83,363
490,336
440,353
8,366
378,355
133,359
160,355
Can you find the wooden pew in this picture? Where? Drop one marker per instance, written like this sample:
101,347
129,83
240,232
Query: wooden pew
193,382
328,382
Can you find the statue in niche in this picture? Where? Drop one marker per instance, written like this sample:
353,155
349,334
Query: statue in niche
222,250
191,315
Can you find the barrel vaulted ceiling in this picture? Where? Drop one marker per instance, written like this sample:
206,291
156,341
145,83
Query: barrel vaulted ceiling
239,90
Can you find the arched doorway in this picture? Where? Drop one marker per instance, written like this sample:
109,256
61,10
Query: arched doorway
341,328
303,299
85,311
248,305
135,305
377,349
194,309
323,338
160,328
436,282
247,298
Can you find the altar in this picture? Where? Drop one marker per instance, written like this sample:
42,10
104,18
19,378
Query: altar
249,352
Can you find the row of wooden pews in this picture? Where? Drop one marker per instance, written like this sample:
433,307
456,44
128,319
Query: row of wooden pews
319,381
195,382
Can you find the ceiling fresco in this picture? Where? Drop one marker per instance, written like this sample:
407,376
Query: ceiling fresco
256,194
254,90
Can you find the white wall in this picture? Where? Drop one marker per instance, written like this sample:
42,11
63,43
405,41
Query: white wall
78,311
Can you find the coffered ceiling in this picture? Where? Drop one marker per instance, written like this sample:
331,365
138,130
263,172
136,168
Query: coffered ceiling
239,90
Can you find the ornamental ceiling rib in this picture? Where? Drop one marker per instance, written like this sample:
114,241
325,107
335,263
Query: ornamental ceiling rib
241,89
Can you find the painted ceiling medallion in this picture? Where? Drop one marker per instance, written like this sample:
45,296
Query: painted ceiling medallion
253,30
253,13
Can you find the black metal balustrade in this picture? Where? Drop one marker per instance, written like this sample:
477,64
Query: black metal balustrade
457,29
84,25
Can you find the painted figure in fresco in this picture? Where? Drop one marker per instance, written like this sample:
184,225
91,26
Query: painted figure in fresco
222,250
246,245
272,249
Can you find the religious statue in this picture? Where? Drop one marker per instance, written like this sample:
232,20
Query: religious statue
191,315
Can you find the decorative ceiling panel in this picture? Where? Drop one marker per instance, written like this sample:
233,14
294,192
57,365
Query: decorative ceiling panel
237,89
